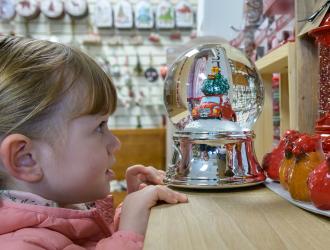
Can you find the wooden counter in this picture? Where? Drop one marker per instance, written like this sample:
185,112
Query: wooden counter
251,218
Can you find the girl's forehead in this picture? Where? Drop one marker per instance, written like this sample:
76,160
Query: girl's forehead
80,100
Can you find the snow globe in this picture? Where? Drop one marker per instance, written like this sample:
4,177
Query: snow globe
213,95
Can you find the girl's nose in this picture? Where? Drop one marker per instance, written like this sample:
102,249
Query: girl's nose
113,145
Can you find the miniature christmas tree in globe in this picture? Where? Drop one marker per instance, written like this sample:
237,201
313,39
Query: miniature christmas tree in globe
215,84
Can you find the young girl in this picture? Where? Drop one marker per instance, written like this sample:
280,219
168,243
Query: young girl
56,154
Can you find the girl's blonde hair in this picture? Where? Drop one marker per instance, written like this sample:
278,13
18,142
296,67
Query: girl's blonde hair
36,74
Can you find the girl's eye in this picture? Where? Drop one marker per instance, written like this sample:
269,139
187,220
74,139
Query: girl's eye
102,127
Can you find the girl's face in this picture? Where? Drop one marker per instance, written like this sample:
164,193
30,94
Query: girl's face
77,166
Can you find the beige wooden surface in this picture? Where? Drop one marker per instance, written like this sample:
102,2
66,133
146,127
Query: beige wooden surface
253,218
275,61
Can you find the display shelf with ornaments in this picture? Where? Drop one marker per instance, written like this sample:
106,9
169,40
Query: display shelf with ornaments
298,65
281,61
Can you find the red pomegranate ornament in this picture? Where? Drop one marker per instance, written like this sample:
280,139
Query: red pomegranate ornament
272,161
319,185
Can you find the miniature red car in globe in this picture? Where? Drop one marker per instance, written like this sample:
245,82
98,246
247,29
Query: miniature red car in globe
214,107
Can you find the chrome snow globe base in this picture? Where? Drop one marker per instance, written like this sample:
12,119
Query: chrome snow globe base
213,96
214,160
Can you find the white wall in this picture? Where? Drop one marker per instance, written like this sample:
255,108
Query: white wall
214,17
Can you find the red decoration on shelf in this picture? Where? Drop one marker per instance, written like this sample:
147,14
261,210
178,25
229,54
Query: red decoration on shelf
163,71
319,185
322,35
272,161
154,38
276,7
305,144
323,129
175,35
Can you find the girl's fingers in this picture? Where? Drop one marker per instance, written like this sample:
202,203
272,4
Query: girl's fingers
158,175
170,196
161,172
135,170
142,186
141,174
151,175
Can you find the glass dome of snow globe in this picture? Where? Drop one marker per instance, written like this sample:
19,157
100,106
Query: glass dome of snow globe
213,95
213,88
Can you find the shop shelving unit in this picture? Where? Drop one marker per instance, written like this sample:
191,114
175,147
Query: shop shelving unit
298,64
279,60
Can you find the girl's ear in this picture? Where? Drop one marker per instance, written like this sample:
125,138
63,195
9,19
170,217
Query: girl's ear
18,158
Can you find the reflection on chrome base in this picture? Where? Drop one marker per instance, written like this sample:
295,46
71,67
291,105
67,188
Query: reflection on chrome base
224,160
209,185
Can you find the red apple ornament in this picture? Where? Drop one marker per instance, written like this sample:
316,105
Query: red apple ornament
272,161
319,185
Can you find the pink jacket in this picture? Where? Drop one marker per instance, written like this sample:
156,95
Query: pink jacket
35,227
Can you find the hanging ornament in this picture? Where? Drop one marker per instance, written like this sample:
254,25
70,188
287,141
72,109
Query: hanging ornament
53,9
165,15
139,124
151,73
93,37
123,15
144,16
103,14
28,9
115,68
163,71
175,35
154,38
140,98
115,41
7,10
138,67
76,8
136,40
184,16
127,74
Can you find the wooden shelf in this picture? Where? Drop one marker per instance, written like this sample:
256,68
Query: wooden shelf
276,60
280,60
298,64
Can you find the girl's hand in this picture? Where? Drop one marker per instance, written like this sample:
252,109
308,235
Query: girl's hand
139,176
136,206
